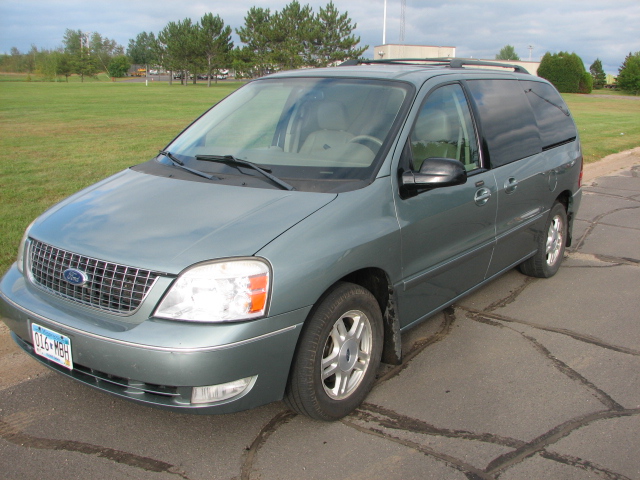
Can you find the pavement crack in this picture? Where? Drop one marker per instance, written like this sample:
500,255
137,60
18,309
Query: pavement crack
512,297
252,452
595,222
471,472
584,465
485,317
14,435
388,418
503,462
421,344
601,395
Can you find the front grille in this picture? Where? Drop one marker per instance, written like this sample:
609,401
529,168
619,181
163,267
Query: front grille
109,286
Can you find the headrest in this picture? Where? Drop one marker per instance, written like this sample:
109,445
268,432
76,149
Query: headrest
432,126
332,116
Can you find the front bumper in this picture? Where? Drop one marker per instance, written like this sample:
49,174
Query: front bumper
158,362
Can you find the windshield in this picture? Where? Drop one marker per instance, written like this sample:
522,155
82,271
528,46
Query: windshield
319,134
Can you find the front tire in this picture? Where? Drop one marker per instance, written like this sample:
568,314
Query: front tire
338,354
546,262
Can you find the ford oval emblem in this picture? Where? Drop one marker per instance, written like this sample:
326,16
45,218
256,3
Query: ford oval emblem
75,277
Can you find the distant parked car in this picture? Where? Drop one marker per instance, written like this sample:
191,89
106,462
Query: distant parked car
280,246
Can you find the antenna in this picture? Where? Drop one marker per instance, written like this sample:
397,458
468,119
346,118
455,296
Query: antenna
384,24
402,17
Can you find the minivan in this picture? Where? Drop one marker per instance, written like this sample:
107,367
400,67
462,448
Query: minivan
280,246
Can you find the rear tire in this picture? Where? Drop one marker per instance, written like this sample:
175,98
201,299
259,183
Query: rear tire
338,354
551,244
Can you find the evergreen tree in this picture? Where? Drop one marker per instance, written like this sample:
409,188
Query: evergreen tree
508,52
255,36
215,42
599,77
291,35
629,74
336,42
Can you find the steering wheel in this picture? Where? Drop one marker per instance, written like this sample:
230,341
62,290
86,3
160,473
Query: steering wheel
358,138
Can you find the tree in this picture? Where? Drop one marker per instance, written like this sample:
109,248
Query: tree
142,50
119,66
215,42
291,34
255,35
103,50
84,64
508,52
64,64
296,37
629,74
335,42
599,77
178,43
73,41
566,72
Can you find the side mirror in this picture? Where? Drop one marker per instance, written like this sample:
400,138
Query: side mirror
435,173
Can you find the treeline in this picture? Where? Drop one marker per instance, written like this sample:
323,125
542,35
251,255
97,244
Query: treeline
293,37
567,72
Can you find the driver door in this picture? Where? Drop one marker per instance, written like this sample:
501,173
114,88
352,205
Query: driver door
447,233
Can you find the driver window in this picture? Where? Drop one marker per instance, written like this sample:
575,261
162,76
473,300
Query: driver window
444,129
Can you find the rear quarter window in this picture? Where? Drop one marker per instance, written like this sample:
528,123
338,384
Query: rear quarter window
508,125
552,115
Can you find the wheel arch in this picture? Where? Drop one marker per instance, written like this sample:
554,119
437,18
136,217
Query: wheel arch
566,199
378,283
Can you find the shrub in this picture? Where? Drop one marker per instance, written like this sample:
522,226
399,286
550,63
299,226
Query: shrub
566,72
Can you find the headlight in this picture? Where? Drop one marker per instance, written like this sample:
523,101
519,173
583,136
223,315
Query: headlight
218,292
22,247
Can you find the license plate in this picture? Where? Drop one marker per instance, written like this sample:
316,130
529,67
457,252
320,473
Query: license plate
52,345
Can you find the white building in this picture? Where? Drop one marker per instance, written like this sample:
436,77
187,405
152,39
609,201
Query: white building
391,51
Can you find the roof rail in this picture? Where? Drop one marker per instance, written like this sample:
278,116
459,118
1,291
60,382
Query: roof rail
461,62
436,62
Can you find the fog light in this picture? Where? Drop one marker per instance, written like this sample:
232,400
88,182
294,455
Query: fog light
224,391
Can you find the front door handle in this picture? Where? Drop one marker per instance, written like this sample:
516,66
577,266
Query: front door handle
510,185
482,196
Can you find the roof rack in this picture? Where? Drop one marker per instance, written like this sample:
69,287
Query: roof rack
437,62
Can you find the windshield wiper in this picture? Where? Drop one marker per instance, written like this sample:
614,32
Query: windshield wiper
230,159
176,161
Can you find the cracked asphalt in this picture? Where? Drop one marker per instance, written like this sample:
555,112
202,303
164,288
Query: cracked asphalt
524,379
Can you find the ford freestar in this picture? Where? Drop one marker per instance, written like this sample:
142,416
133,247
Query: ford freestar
280,246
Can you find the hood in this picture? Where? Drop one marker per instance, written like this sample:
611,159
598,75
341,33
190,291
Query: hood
166,224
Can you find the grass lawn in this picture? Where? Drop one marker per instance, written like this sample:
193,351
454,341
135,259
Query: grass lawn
607,123
59,137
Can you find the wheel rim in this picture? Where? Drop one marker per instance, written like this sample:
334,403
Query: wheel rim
346,354
555,240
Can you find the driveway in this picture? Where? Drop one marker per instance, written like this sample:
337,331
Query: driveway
524,379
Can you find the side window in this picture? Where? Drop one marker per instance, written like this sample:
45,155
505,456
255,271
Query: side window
444,129
506,119
552,114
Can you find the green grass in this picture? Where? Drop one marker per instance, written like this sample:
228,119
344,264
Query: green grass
57,138
607,124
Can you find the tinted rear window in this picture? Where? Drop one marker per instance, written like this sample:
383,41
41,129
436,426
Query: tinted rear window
508,125
554,121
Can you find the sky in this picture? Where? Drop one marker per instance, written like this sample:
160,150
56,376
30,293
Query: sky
478,29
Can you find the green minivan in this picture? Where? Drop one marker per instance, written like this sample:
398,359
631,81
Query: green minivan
280,246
